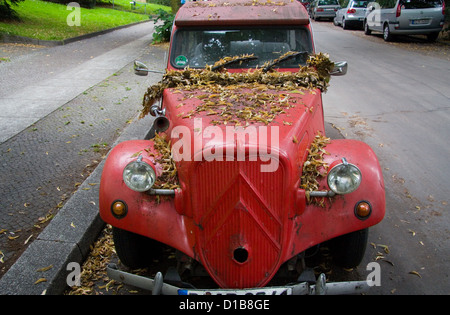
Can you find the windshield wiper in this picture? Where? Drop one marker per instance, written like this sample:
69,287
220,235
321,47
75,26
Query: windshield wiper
230,60
290,54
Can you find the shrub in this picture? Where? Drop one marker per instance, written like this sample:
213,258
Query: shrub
162,32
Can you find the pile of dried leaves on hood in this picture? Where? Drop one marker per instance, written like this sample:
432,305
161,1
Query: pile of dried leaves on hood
315,75
315,167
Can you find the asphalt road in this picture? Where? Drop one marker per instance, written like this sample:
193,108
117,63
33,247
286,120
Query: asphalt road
396,98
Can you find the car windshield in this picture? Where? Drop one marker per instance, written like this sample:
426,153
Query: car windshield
328,2
196,48
360,4
420,4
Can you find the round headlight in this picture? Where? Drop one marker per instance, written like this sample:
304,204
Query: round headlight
344,178
139,176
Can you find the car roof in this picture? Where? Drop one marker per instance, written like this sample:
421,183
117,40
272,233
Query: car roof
242,13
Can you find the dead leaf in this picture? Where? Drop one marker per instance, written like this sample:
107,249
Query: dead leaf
40,280
385,248
28,239
45,268
415,273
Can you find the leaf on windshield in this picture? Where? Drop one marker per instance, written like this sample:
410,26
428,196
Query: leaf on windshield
315,75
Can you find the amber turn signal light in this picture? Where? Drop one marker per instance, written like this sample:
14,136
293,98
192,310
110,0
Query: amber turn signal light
363,210
119,209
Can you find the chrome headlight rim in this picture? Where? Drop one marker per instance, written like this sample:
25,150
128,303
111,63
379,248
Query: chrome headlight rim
341,171
139,175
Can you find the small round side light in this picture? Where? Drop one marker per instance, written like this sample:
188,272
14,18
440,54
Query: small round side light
363,209
119,209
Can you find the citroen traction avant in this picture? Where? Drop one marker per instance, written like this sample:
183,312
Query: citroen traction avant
236,174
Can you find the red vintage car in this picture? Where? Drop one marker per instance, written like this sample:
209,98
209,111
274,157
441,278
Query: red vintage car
236,173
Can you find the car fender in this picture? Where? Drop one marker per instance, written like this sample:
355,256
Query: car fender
150,216
335,216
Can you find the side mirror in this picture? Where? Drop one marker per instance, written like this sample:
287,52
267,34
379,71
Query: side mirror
340,68
140,68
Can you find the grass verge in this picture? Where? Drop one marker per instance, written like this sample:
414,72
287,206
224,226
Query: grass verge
48,21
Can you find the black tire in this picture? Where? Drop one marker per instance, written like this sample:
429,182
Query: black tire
387,36
367,30
344,25
135,251
432,37
348,250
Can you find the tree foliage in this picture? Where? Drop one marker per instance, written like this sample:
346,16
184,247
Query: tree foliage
6,10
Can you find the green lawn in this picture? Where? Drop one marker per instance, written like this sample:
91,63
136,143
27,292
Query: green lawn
48,21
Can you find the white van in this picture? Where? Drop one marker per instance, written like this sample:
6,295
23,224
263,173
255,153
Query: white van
407,17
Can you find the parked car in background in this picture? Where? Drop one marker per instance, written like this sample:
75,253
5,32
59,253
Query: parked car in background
324,9
405,17
351,14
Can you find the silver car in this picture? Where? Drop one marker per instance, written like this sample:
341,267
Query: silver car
407,17
323,9
351,14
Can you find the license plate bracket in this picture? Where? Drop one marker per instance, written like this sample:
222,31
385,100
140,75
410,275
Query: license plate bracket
420,21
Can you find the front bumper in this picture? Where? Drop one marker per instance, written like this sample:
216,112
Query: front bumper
158,287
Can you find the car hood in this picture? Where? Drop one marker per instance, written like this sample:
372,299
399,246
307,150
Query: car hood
203,118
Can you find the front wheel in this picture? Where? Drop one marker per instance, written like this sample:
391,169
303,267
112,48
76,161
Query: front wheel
134,250
348,250
335,22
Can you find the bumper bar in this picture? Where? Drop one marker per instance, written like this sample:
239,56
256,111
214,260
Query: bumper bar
158,286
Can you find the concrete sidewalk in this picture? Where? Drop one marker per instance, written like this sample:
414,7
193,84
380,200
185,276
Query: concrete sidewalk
36,85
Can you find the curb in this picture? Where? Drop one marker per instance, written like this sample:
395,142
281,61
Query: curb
67,238
5,38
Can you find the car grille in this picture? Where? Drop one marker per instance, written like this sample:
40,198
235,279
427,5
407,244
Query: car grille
239,211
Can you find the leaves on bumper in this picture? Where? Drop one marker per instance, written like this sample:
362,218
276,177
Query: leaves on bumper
315,167
168,179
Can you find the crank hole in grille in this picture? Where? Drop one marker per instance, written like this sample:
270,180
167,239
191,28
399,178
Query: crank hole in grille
240,255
